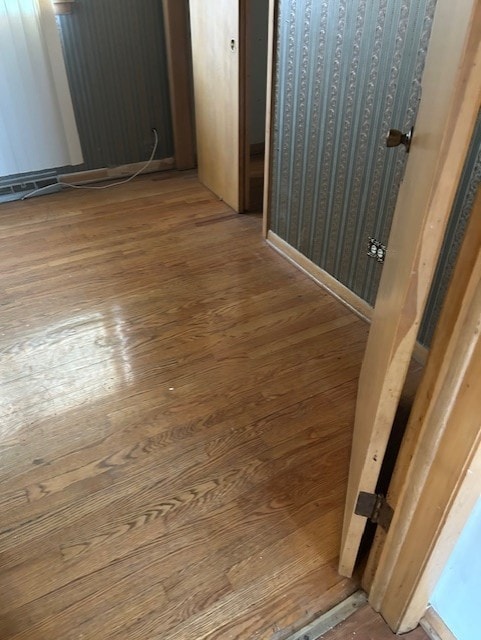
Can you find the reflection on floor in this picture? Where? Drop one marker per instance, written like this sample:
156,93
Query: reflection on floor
176,412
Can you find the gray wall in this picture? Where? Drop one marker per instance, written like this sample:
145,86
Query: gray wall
116,65
463,203
347,71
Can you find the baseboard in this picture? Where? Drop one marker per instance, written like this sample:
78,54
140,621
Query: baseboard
123,171
435,627
359,306
62,7
332,618
321,277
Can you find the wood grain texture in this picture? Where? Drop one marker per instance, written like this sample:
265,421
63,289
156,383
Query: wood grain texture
366,624
217,27
271,62
435,627
436,482
444,127
176,418
359,306
179,64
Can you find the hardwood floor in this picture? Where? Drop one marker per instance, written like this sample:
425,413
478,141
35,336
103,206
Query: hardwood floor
175,421
366,624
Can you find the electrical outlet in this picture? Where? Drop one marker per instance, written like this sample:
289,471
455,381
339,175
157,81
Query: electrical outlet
376,250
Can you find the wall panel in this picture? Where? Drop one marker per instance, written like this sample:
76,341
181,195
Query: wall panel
116,65
347,72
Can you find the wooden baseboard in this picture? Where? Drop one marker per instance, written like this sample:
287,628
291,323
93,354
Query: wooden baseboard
321,277
335,288
62,7
332,618
123,171
435,627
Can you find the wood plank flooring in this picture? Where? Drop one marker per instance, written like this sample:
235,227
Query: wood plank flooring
366,624
175,421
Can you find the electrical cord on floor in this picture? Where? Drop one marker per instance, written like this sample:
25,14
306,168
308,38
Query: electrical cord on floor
105,186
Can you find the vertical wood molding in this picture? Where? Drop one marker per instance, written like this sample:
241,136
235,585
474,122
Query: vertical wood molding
244,147
176,19
404,564
271,62
445,124
436,481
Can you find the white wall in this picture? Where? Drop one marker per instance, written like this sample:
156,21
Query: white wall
457,597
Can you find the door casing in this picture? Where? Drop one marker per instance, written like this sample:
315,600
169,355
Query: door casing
420,219
416,247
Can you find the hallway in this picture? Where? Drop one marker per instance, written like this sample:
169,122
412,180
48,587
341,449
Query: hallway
175,421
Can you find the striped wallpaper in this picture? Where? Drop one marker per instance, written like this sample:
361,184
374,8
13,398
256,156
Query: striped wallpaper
116,65
347,71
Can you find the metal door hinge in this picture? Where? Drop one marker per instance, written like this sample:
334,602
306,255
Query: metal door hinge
375,508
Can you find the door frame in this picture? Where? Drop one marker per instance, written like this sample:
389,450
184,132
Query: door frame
404,607
271,65
179,69
436,481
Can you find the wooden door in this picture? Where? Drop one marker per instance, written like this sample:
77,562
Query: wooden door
442,134
217,34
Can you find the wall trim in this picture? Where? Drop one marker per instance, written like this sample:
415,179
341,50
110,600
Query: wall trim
332,618
270,98
435,627
347,297
61,7
179,67
122,171
321,277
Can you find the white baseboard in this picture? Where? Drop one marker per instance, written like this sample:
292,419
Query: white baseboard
335,288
